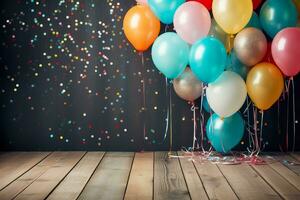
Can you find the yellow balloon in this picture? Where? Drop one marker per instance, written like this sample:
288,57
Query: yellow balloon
232,15
264,85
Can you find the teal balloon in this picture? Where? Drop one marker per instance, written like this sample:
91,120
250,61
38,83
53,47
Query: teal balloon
224,134
235,65
254,21
276,15
164,10
206,105
208,59
170,54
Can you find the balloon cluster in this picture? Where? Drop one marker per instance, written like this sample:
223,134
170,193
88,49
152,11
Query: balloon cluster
222,51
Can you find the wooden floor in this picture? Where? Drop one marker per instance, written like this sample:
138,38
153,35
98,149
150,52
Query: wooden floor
141,176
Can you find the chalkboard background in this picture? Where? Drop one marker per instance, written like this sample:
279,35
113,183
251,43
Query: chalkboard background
69,80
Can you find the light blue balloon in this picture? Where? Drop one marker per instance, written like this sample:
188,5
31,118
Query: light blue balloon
208,59
224,134
254,21
165,9
276,15
235,65
170,54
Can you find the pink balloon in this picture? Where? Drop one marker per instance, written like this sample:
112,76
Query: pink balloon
192,21
144,2
286,51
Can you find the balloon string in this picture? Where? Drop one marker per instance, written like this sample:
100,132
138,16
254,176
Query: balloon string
255,130
261,132
294,114
144,99
193,108
171,121
287,88
168,110
202,121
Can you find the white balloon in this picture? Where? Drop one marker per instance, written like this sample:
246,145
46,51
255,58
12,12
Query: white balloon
227,94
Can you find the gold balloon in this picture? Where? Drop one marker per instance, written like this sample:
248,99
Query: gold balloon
141,27
264,85
232,15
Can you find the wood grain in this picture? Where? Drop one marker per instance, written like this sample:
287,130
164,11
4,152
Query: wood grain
214,182
45,183
72,185
169,181
110,178
140,184
192,179
278,182
246,183
14,164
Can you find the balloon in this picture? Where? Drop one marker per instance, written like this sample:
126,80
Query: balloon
235,65
224,134
192,21
187,86
141,27
264,85
142,2
254,21
297,4
232,15
250,46
165,10
276,15
227,94
217,32
256,3
206,3
170,54
286,51
208,59
206,105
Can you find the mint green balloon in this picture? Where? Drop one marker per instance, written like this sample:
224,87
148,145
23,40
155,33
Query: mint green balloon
170,54
224,134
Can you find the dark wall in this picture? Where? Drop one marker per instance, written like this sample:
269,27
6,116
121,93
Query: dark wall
70,81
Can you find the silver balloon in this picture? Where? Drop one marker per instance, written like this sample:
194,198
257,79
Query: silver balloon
250,46
187,86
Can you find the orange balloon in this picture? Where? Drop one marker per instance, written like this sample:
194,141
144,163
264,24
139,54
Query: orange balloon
264,85
141,27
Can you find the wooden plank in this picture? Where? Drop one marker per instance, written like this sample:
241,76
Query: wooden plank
289,161
140,184
45,183
285,172
246,183
192,179
71,187
12,190
110,178
277,182
169,181
296,155
14,164
214,182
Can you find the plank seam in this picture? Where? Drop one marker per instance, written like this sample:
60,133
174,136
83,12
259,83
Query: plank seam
65,175
27,170
200,180
91,175
227,182
129,175
257,172
178,160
